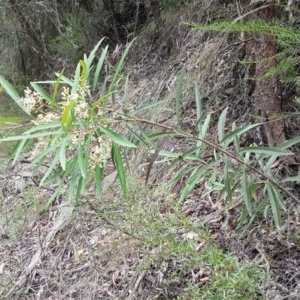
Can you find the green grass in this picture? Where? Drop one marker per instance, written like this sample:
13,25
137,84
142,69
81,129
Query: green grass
170,240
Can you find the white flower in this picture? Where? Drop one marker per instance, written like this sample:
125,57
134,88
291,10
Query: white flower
82,110
101,152
65,94
84,92
47,118
32,102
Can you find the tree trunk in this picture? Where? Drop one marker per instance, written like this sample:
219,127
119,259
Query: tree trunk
261,51
26,25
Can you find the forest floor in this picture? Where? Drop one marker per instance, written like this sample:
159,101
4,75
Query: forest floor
150,246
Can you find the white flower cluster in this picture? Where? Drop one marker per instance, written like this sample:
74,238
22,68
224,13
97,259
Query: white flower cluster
82,109
101,152
84,92
32,102
65,94
46,118
39,146
100,147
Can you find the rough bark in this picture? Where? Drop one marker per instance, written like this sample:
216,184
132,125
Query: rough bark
26,25
261,51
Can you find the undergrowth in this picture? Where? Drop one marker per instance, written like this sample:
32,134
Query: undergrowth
181,251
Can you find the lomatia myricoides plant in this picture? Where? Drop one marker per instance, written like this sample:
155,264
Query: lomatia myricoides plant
73,131
76,138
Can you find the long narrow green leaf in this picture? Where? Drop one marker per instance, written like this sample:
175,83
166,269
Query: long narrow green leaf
100,100
47,81
205,126
159,135
40,127
280,201
44,153
11,92
194,179
26,137
90,58
50,168
85,58
247,158
46,126
86,147
196,176
191,154
65,80
228,139
73,181
170,154
221,124
98,178
62,154
117,158
183,171
274,205
198,103
125,94
80,188
266,150
270,162
181,156
75,83
55,194
182,133
116,75
178,157
31,136
19,149
84,72
245,192
99,67
293,178
147,106
178,96
56,86
141,136
58,173
117,138
66,117
227,181
236,138
81,160
45,95
289,143
244,217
